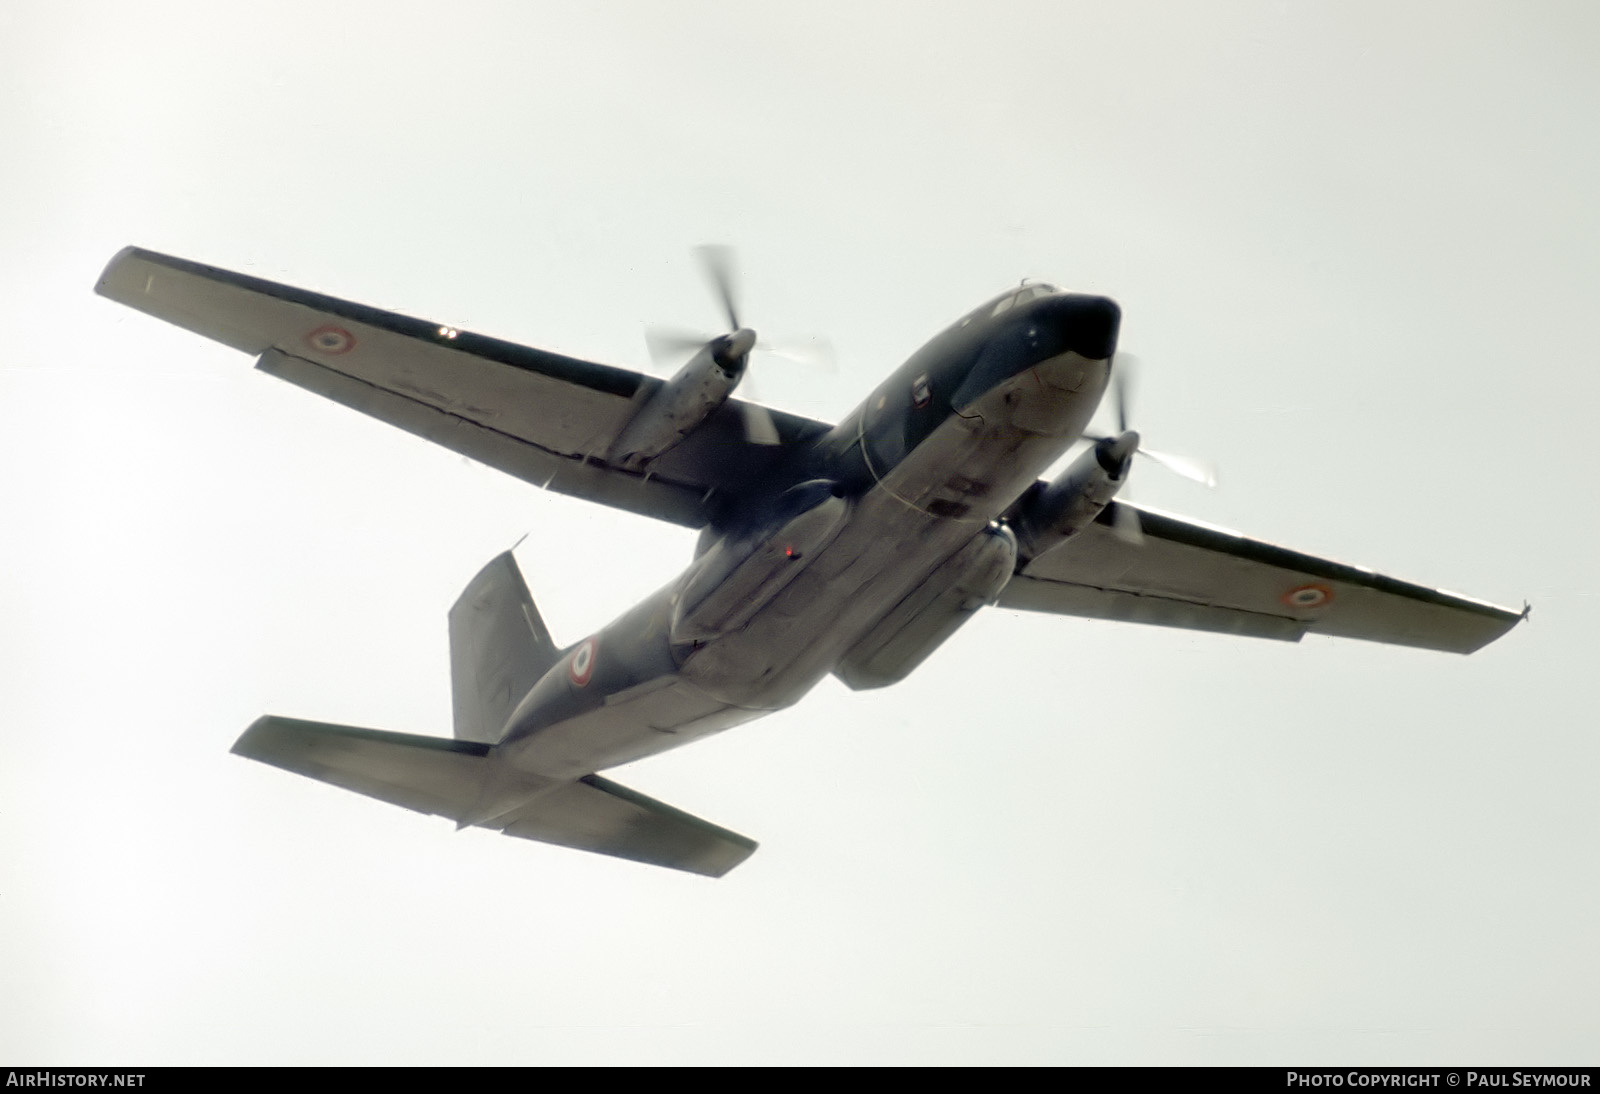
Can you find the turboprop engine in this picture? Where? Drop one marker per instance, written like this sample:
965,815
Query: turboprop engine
679,406
1049,516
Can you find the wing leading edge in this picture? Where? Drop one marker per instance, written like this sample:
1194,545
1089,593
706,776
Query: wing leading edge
540,416
1186,574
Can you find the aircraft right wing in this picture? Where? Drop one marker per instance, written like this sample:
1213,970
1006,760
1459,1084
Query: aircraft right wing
1185,574
543,417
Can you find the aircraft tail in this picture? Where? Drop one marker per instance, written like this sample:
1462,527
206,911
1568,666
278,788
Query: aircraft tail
499,648
466,781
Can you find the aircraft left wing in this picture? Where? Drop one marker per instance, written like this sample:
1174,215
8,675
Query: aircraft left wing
1185,574
543,417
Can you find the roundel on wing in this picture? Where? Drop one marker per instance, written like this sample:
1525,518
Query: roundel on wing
1308,596
581,666
331,340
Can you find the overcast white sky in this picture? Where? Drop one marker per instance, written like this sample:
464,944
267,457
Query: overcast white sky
1356,246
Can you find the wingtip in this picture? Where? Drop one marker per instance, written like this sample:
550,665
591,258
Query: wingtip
111,267
128,254
242,746
724,869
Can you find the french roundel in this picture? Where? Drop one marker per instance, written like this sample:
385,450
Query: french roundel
1308,596
331,340
581,667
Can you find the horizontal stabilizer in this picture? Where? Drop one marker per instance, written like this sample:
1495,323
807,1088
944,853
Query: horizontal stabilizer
595,814
465,779
428,774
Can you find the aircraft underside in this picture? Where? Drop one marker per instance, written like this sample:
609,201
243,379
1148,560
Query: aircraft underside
815,605
855,549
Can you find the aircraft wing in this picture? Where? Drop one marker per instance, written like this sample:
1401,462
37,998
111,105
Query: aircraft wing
543,417
1186,574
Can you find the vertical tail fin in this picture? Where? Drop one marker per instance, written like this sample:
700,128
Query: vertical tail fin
499,648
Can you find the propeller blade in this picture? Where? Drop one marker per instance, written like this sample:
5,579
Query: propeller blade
1124,366
1125,523
759,427
817,353
668,344
1122,389
717,262
1194,470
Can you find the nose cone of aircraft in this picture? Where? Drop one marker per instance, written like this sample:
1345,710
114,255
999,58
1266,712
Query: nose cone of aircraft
1086,325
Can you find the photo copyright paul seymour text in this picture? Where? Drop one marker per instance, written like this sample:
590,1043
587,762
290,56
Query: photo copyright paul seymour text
1475,1080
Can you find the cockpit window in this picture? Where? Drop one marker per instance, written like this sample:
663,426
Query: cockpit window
1022,296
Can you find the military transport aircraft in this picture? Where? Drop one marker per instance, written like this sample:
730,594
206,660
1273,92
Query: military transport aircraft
855,549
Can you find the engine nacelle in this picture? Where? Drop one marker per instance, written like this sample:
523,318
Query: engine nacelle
1050,516
681,404
934,611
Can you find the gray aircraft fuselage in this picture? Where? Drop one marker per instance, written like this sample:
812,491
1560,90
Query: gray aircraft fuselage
856,554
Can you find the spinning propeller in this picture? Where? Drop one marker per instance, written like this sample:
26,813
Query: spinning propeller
1121,387
731,351
1127,519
